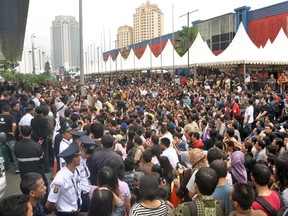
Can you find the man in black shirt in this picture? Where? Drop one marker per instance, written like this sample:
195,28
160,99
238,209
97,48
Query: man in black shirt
33,185
30,155
8,126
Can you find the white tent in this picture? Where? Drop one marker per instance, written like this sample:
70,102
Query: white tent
240,51
146,60
275,53
199,52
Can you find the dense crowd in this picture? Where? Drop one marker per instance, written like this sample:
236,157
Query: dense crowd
142,146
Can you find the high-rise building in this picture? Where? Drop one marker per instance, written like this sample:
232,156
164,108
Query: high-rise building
148,22
65,42
124,36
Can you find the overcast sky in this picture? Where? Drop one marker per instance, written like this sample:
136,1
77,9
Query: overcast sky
100,17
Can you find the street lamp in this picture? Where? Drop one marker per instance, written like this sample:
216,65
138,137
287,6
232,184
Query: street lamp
188,13
98,59
115,55
33,57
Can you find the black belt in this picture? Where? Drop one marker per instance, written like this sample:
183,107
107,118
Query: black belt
67,213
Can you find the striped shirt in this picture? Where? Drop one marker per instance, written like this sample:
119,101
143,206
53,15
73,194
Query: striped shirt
139,210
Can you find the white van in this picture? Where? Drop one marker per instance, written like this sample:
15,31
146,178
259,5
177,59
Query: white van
2,178
2,168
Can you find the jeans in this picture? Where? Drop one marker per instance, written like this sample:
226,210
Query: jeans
9,146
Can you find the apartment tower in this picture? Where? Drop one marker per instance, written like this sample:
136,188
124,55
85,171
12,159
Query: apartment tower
148,22
124,36
65,42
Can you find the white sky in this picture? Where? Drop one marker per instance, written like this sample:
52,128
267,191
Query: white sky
100,16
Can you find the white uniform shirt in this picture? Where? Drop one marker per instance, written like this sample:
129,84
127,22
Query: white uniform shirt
249,112
64,144
65,190
84,175
26,120
171,154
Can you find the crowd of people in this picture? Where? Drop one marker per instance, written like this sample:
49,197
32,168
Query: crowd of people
131,146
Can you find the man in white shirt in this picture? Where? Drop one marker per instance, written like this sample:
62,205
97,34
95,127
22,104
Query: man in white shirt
26,119
36,99
249,115
169,152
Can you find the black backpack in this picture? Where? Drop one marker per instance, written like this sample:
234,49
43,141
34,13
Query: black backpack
283,211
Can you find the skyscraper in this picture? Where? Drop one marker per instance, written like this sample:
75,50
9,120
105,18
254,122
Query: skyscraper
65,42
148,22
124,36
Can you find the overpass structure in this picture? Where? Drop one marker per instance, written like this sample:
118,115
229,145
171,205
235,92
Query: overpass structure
13,18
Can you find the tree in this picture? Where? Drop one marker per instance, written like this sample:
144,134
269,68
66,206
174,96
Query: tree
8,66
47,68
181,39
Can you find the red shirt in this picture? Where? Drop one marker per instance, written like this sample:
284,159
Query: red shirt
198,144
236,109
272,199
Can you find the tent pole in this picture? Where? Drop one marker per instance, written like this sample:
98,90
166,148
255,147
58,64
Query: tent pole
195,72
244,71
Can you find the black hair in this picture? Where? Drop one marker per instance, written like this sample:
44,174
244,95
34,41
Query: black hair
243,194
279,142
214,153
97,130
155,139
149,187
29,182
107,141
165,141
220,168
26,130
281,168
230,132
129,164
101,203
147,156
178,135
261,174
261,144
206,180
108,178
271,149
14,205
138,140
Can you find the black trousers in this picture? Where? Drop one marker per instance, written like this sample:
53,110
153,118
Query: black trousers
85,202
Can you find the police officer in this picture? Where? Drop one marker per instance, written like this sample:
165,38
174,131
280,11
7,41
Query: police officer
65,193
66,140
76,136
87,147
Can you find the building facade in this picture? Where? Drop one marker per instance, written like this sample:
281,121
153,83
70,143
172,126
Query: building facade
40,57
148,22
124,36
65,42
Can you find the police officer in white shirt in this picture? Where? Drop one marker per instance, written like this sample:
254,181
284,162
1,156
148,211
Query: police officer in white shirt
87,147
65,142
65,191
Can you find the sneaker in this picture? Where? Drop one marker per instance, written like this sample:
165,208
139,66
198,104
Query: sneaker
17,171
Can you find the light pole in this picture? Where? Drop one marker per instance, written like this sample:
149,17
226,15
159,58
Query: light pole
86,61
188,13
33,56
81,48
98,59
115,56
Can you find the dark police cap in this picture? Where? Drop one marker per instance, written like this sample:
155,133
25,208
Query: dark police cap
86,140
88,143
71,151
65,127
78,133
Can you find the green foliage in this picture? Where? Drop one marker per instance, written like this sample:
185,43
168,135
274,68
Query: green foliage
47,68
181,39
28,79
8,66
